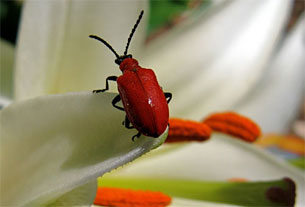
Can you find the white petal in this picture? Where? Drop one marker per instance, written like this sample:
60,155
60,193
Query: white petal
54,52
80,196
53,144
214,62
4,101
275,101
180,202
220,158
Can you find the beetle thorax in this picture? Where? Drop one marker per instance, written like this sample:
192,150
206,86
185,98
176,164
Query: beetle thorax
129,64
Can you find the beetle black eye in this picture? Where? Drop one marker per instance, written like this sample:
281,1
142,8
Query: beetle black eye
118,61
121,58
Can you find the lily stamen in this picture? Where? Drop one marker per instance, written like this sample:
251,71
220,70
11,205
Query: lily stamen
228,123
119,197
185,130
234,124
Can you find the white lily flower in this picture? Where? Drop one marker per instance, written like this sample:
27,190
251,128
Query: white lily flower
218,74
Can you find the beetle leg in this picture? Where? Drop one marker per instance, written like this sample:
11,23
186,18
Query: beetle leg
115,101
126,123
137,135
110,78
168,97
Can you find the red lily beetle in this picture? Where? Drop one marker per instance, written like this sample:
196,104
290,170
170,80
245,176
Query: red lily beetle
144,102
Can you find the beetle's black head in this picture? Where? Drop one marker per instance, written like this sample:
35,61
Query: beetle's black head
121,58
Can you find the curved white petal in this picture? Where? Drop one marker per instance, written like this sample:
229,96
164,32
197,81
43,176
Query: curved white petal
180,202
80,196
220,158
276,99
215,61
53,144
4,101
55,53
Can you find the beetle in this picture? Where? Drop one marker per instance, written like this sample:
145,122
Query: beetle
144,102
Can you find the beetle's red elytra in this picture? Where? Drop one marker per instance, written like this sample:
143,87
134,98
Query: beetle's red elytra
145,104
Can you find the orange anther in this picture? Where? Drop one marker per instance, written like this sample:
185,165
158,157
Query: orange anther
234,124
238,180
108,196
185,130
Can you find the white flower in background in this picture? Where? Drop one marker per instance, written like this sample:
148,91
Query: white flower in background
221,60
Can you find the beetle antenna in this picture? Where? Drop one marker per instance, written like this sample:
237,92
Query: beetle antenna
133,30
105,43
